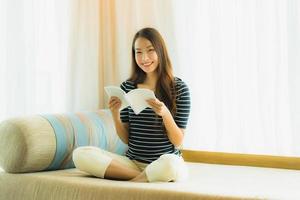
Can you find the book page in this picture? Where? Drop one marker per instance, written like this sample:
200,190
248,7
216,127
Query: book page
137,99
118,92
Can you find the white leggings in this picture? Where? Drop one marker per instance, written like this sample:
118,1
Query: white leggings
94,161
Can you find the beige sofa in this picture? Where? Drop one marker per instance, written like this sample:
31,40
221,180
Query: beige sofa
35,154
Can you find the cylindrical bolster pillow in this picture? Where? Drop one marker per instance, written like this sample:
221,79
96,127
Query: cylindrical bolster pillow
46,142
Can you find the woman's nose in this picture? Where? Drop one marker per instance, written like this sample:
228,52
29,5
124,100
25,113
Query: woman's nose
145,56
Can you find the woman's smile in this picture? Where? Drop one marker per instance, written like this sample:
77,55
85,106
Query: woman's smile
148,64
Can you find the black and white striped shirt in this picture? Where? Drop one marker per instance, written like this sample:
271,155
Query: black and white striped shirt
147,137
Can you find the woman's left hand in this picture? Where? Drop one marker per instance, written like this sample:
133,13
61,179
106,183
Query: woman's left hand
158,106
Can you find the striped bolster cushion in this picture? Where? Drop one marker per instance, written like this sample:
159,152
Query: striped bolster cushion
46,142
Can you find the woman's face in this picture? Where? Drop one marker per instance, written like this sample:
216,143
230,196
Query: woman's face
145,55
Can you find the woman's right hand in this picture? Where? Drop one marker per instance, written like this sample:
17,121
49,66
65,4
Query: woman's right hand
114,105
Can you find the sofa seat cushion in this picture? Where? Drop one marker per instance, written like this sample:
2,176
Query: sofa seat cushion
206,181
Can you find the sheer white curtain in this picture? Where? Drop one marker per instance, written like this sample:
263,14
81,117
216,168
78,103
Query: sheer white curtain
84,74
34,39
240,58
48,56
241,61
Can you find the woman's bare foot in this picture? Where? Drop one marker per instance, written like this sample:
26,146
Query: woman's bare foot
140,178
118,171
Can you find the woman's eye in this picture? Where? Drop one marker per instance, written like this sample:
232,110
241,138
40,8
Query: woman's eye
150,50
138,52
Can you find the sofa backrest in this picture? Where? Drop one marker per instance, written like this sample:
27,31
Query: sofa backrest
46,142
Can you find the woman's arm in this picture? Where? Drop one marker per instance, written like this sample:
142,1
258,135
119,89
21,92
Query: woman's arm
175,134
122,128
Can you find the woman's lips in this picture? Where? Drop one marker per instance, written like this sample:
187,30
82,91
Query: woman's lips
147,64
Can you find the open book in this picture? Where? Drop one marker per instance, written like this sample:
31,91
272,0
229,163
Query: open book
136,98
